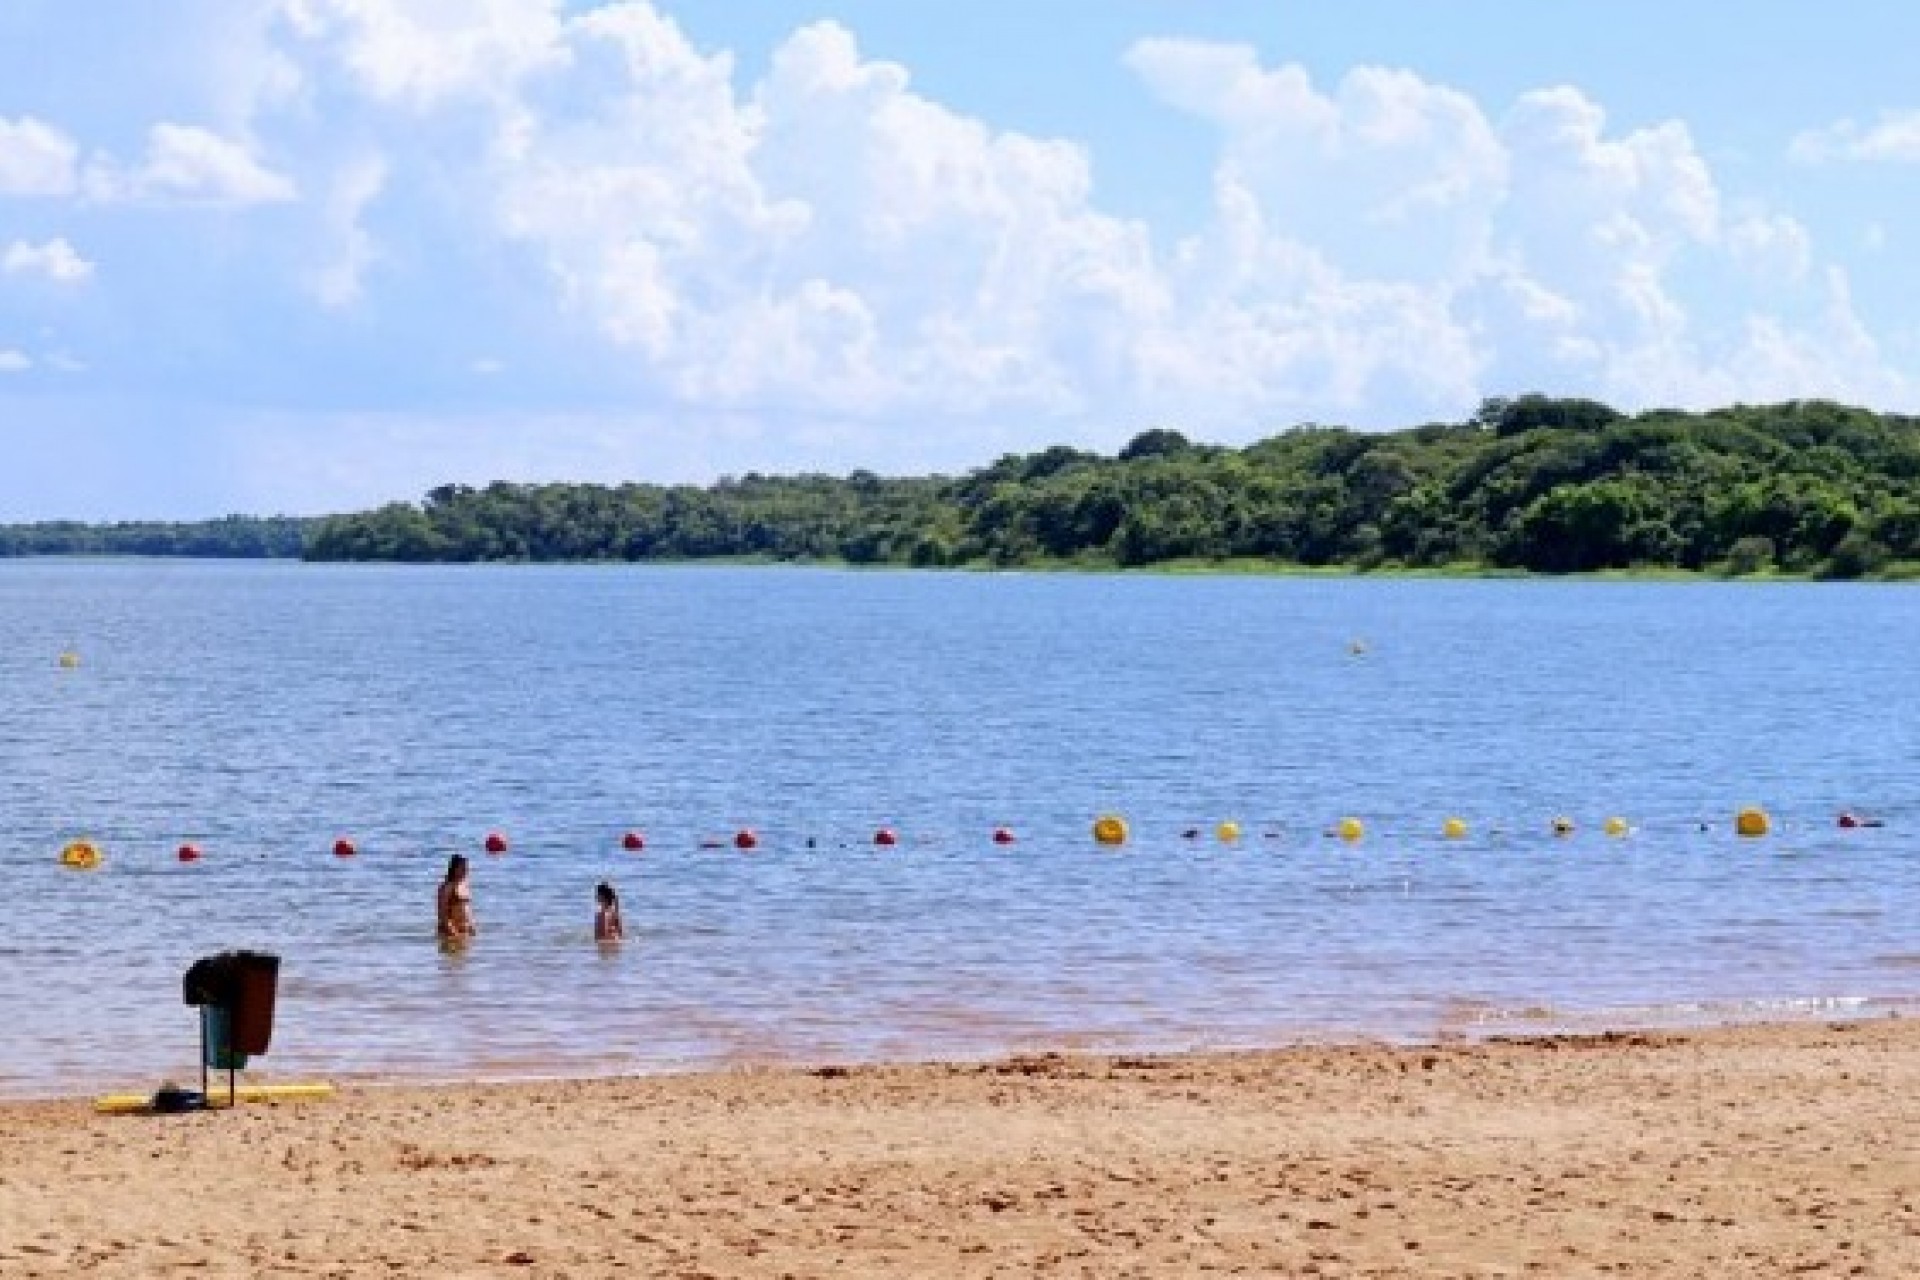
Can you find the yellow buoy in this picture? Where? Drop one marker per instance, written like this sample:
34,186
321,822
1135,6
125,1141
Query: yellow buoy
1616,827
1563,827
1454,829
1351,829
69,660
81,855
1110,830
1752,823
1228,832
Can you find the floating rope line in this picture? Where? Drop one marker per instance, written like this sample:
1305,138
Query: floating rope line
1109,831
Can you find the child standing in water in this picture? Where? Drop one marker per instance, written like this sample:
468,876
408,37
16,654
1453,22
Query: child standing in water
606,921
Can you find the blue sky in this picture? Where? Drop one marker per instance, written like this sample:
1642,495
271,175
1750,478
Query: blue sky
311,255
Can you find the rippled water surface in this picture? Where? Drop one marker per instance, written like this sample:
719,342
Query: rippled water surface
262,711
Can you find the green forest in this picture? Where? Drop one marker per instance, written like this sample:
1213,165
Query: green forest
1532,484
229,538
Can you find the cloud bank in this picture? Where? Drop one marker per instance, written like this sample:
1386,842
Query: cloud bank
500,211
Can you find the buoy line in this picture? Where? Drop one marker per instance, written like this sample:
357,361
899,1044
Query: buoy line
1107,830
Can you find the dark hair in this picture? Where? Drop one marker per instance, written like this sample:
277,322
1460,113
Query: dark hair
606,896
456,864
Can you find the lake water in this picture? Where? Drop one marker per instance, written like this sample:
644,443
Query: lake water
263,710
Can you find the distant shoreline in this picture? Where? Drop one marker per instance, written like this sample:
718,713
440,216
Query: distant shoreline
1237,568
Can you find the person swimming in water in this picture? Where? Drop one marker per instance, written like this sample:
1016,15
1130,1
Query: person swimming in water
606,920
455,906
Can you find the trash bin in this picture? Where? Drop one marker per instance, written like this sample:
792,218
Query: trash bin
235,992
256,982
221,1053
210,981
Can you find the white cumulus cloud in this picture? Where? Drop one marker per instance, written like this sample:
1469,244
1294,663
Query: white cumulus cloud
578,214
14,361
1385,175
55,259
340,282
1894,137
36,159
424,51
828,242
1774,245
830,239
186,164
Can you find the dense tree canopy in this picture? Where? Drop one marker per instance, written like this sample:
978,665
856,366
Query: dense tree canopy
1533,483
230,538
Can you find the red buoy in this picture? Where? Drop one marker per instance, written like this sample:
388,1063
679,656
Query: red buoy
343,848
884,836
745,839
189,853
633,842
496,843
1002,836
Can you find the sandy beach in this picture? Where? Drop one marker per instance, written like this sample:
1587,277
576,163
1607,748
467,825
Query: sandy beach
1756,1151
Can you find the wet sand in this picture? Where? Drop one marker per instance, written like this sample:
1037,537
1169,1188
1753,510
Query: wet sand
1756,1151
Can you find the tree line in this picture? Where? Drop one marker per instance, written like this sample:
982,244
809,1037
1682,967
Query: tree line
228,538
1534,483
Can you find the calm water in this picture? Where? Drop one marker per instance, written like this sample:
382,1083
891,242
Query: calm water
261,711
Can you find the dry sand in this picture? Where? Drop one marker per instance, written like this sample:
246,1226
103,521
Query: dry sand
1765,1151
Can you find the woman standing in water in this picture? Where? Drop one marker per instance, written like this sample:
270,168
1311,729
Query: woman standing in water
456,903
606,921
